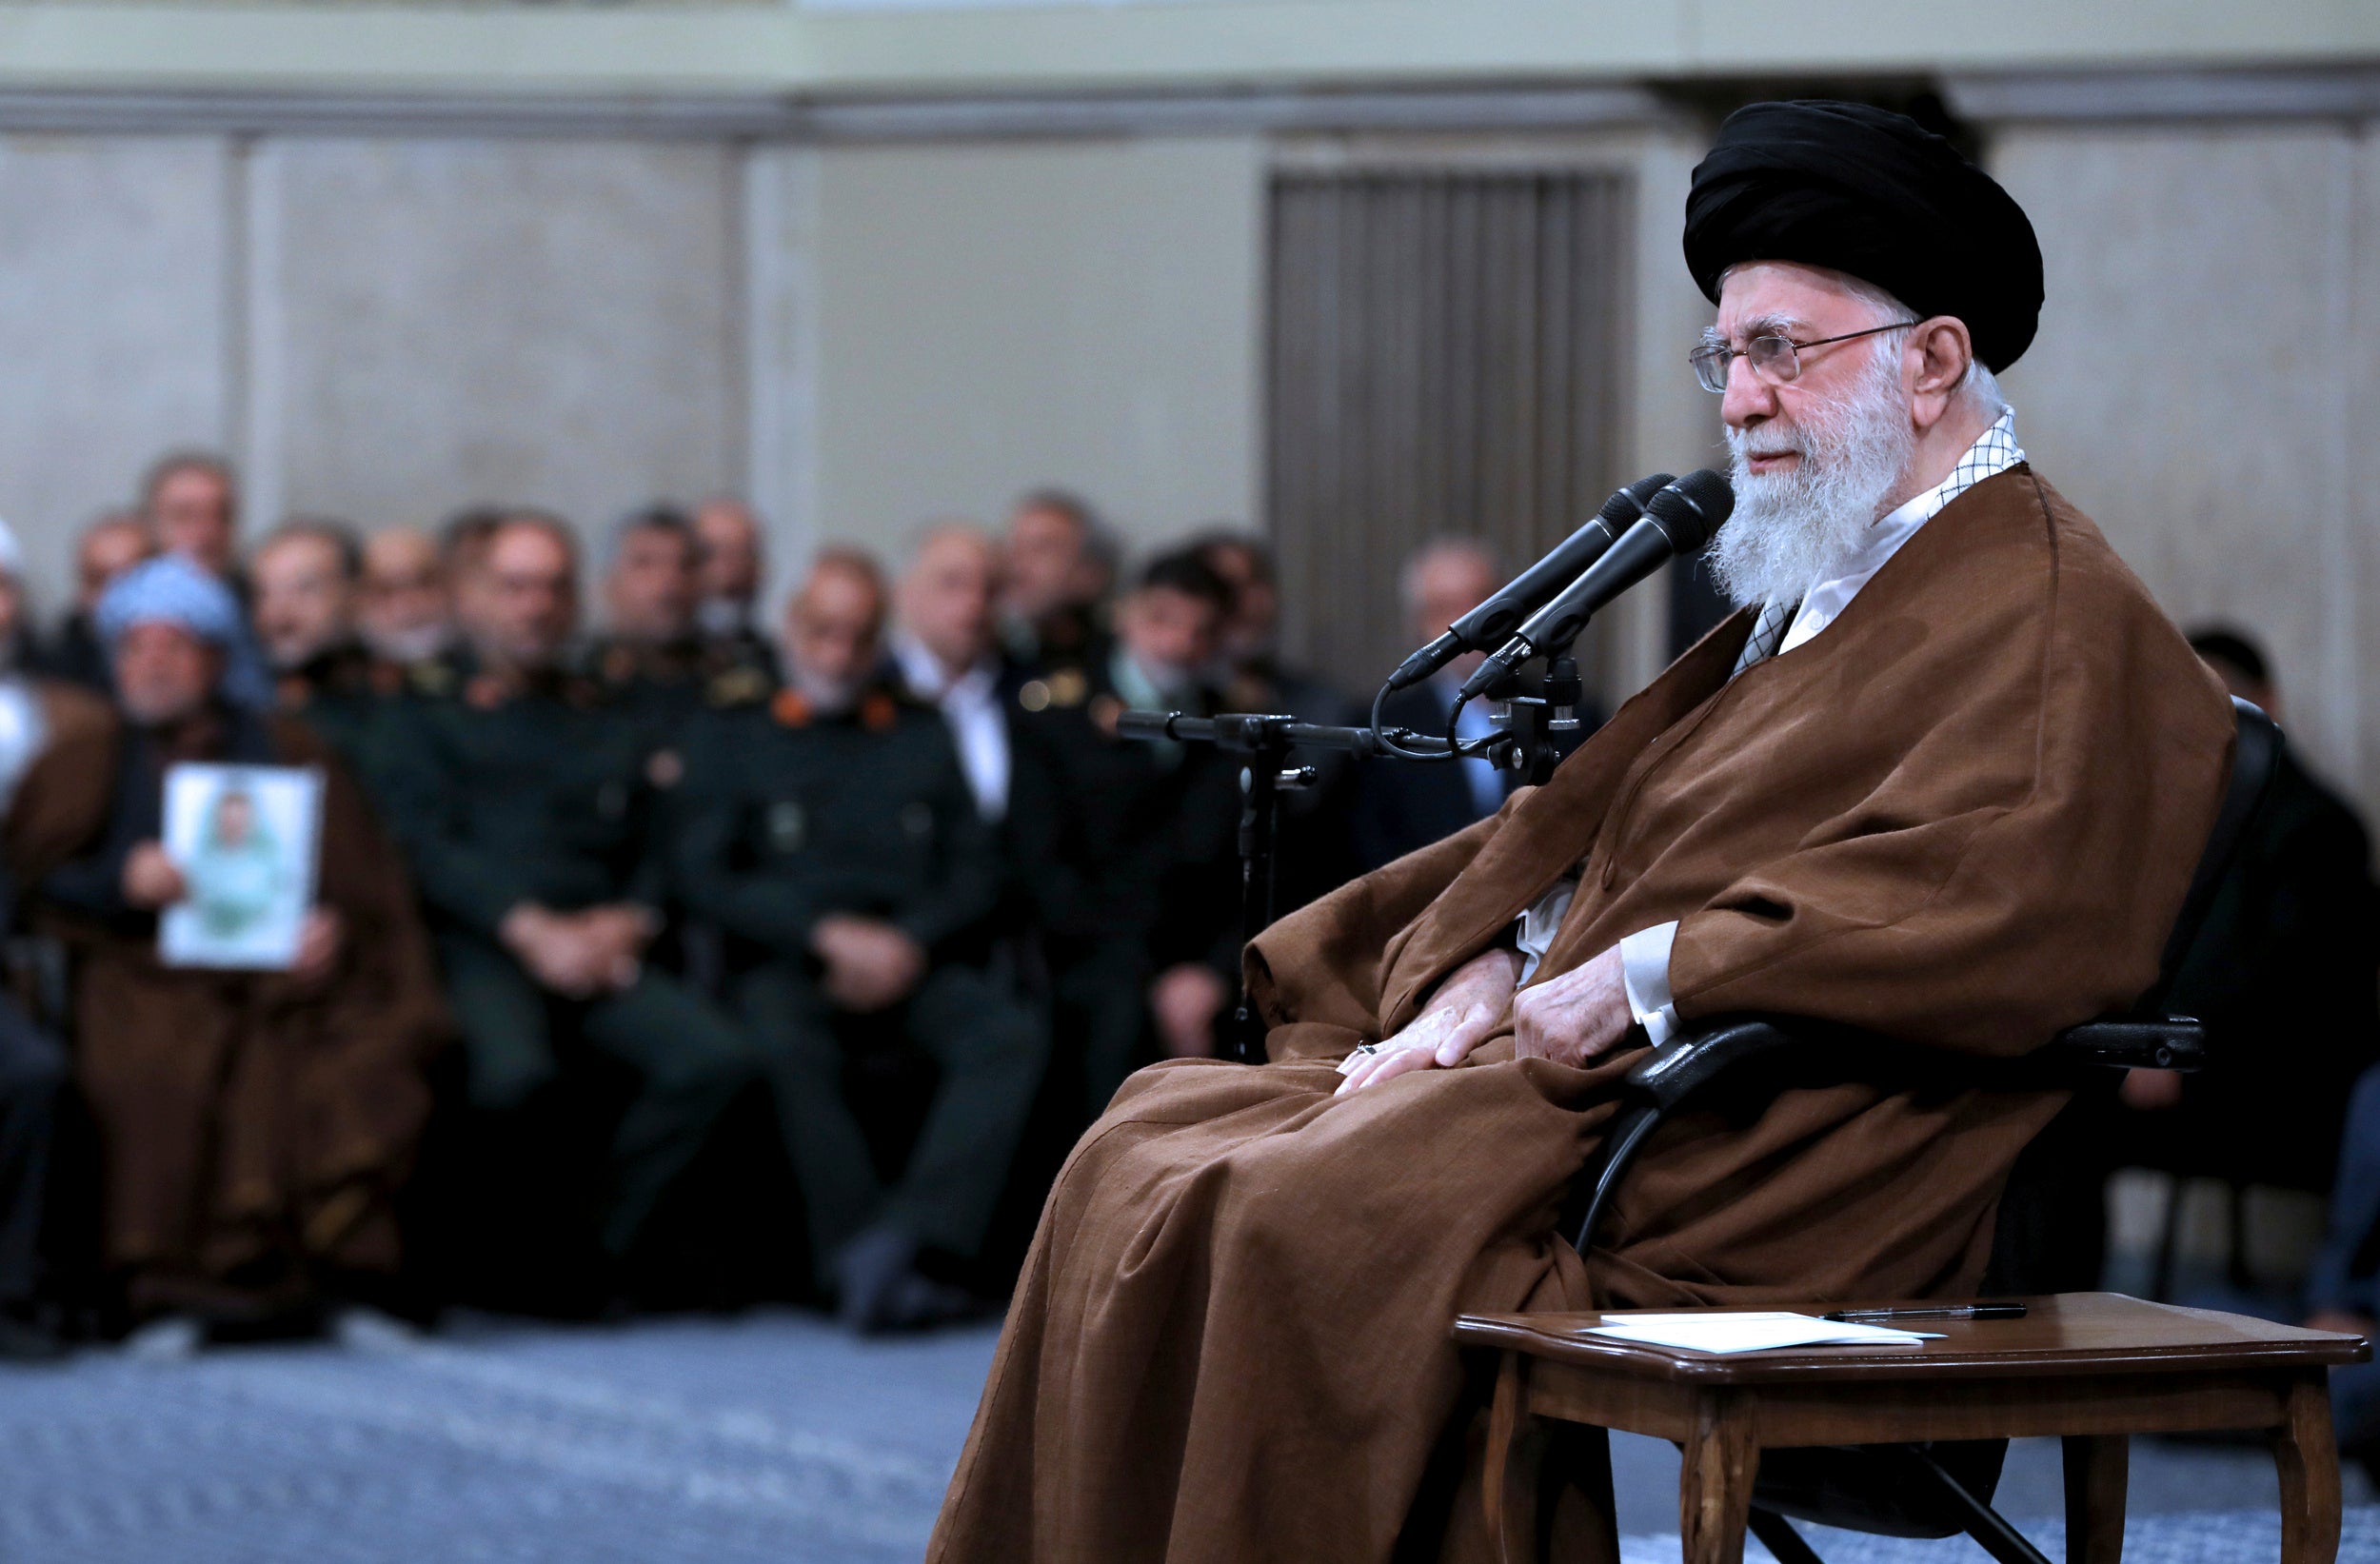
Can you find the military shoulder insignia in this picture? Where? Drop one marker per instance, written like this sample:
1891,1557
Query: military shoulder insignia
431,676
740,686
791,708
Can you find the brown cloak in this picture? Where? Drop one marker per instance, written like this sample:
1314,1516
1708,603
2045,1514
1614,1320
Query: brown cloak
253,1132
1964,817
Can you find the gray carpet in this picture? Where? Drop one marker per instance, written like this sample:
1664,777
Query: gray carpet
771,1437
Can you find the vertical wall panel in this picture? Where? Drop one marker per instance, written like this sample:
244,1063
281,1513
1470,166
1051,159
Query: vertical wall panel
115,274
553,323
1451,370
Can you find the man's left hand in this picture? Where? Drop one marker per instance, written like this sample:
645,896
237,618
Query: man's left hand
1576,1016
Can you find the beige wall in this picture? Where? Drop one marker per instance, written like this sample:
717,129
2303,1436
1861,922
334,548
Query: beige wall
2196,385
996,317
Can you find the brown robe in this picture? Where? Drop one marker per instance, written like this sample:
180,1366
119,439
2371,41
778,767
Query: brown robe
1964,817
253,1132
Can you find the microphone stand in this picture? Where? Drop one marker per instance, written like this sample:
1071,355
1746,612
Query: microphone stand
1266,740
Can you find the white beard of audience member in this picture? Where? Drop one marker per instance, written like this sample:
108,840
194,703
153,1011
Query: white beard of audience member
1794,528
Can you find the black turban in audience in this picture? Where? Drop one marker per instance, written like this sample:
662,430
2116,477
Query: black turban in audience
1874,194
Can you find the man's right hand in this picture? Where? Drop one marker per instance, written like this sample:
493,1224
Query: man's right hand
1462,1013
150,881
870,964
557,950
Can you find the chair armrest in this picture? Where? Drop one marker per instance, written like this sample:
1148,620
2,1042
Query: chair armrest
2177,1043
1693,1058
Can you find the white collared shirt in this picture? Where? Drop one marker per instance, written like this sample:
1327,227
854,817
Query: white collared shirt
972,710
1644,955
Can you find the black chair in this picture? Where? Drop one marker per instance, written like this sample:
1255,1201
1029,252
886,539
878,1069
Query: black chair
1937,1489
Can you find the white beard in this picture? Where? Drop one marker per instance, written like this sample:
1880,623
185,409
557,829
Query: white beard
1791,529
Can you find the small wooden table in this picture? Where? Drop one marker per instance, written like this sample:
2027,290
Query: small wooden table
2089,1368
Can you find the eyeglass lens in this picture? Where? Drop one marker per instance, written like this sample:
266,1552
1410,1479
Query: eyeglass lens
1773,359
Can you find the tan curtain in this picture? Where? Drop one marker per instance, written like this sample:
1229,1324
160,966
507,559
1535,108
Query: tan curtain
1442,359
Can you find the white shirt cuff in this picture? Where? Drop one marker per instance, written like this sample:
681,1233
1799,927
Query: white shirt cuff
1644,968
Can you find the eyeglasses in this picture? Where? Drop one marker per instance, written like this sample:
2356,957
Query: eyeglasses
1774,359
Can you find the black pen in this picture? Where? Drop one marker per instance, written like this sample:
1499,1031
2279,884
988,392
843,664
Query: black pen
1946,1311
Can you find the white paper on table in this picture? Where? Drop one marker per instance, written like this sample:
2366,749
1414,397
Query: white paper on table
246,839
1749,1333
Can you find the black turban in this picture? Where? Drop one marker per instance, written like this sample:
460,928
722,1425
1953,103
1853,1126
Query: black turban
1873,193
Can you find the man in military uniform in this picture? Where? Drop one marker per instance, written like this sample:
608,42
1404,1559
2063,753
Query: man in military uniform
403,614
524,800
651,658
1135,874
833,835
112,544
727,570
303,579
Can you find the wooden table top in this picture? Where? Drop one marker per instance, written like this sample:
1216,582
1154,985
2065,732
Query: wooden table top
2067,1334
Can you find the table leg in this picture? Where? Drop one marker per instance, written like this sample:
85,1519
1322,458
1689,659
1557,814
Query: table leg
1714,1484
1515,1456
1583,1456
2097,1466
2307,1451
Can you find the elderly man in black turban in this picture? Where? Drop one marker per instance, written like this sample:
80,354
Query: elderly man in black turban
1942,777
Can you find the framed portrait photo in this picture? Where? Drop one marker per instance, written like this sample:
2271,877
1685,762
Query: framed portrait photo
245,840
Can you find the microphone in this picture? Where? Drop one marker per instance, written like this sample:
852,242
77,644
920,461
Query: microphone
1496,619
1679,520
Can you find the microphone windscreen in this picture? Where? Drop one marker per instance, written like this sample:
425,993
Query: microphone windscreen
1693,508
1626,505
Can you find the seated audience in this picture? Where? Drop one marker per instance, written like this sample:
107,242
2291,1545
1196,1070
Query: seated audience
727,569
1135,872
302,583
1406,806
1314,852
255,1126
650,659
831,834
1058,566
36,711
401,608
524,801
111,545
2286,976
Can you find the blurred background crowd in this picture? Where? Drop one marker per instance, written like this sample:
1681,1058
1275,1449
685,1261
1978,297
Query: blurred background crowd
675,948
670,947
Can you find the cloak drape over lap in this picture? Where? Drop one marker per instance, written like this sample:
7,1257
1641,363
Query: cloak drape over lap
250,1127
1964,817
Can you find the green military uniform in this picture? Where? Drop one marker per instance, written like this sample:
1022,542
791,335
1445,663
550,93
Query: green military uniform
1129,854
340,694
788,816
508,791
663,683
